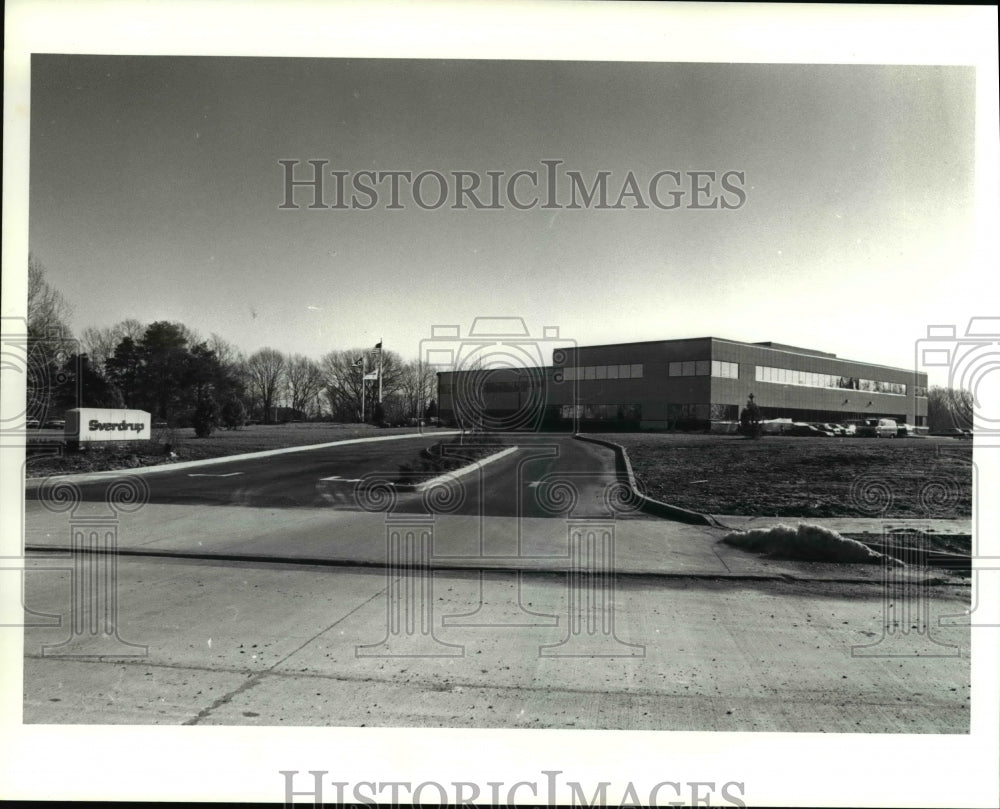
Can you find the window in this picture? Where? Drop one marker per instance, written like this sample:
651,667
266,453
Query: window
731,370
702,368
624,371
589,372
637,371
602,371
675,369
612,372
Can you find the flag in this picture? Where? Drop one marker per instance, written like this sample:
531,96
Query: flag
378,346
371,376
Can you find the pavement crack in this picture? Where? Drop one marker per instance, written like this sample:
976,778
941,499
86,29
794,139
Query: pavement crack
716,552
246,685
323,631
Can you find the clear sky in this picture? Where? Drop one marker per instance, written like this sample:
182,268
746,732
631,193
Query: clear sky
155,190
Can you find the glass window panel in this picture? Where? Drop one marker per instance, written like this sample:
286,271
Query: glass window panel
589,372
675,369
602,371
623,372
702,368
612,372
760,374
688,368
716,368
637,371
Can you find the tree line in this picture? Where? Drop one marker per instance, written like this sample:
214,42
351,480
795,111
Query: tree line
185,379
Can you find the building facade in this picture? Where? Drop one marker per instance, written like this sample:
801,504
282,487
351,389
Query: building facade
688,384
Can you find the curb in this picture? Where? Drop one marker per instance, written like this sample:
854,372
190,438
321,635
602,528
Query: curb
84,477
454,473
648,504
369,564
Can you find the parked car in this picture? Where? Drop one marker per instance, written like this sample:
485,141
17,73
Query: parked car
32,424
903,430
886,428
55,424
834,429
806,430
876,428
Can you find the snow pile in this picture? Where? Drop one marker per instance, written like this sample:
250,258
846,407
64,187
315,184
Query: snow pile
809,543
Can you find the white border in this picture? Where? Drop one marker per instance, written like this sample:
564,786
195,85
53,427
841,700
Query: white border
242,764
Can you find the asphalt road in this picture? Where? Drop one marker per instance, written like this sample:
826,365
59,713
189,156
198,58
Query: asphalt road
545,477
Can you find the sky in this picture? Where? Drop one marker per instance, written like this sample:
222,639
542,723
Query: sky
155,190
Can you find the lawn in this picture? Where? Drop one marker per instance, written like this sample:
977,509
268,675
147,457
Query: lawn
185,446
783,476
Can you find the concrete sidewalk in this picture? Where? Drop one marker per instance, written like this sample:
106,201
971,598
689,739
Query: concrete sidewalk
354,538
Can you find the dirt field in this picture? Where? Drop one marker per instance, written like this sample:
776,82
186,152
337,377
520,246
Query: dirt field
187,447
804,477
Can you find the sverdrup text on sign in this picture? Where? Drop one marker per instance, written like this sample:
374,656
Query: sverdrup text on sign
102,424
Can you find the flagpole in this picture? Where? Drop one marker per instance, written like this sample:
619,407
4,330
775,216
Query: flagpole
362,388
380,369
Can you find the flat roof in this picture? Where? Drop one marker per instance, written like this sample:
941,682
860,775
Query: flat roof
768,345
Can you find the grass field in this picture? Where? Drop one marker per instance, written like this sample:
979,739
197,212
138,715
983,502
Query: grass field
187,447
804,477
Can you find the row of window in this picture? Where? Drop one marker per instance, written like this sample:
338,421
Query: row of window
702,412
717,368
602,412
570,374
787,376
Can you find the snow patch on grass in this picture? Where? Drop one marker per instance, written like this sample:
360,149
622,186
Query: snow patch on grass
804,542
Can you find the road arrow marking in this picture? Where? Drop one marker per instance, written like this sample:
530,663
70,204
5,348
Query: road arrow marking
206,475
339,479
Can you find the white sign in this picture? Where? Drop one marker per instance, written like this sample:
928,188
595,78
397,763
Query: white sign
103,424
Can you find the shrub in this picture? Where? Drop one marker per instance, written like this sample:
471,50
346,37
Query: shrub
205,417
234,414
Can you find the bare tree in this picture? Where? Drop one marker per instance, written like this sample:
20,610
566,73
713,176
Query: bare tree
225,352
266,377
417,386
52,352
99,345
131,328
948,408
342,383
304,381
48,310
